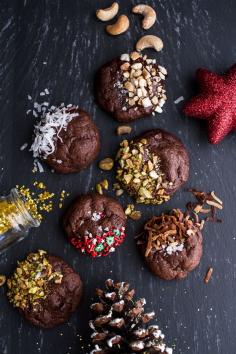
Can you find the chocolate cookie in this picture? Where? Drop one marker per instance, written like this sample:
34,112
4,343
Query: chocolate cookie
66,139
95,224
45,289
171,245
152,166
131,87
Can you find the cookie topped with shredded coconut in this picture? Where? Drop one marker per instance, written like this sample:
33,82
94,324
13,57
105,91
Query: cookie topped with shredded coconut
66,139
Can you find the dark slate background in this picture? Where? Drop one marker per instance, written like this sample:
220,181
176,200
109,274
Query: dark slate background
195,317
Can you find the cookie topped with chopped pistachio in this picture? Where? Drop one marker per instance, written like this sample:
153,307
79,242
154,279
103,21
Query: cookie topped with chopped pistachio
131,86
45,289
152,166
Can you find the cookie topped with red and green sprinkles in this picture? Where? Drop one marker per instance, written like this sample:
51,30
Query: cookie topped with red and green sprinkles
95,224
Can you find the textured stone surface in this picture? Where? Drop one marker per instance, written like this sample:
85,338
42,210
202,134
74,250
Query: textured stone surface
67,37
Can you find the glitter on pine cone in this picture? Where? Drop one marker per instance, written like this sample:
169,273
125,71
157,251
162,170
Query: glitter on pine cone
120,324
215,103
100,245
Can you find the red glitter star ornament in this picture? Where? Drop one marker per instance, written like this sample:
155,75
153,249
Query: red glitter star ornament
216,103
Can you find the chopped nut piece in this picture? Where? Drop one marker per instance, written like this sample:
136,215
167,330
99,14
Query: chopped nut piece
129,86
146,102
162,69
135,55
119,192
105,184
124,129
135,215
99,188
125,57
125,66
129,209
137,66
2,280
106,164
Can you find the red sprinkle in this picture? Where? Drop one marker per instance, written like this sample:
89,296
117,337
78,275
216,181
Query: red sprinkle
98,245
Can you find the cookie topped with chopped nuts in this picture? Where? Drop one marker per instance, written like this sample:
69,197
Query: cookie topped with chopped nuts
95,224
67,139
45,289
131,87
172,243
152,166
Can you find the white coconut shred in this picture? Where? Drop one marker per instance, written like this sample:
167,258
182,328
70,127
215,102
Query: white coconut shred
48,130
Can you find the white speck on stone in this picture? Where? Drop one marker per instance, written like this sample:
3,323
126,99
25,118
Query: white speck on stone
179,99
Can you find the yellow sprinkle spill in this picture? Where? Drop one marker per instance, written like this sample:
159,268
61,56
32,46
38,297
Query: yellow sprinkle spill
36,203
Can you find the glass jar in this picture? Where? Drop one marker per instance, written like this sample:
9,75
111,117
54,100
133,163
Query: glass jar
15,219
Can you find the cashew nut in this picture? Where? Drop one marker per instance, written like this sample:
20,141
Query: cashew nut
149,15
149,41
120,26
109,13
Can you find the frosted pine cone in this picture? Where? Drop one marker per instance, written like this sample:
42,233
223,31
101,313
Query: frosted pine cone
120,324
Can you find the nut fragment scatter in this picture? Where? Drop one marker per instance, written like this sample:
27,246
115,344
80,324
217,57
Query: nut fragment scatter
152,166
131,87
29,283
45,289
120,323
140,177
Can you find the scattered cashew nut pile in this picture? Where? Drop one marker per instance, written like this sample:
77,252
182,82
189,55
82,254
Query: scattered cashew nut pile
122,24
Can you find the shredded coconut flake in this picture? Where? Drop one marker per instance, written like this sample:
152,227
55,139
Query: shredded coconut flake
174,248
48,129
24,146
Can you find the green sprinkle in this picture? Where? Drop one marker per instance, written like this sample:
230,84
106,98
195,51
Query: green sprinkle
99,248
109,240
